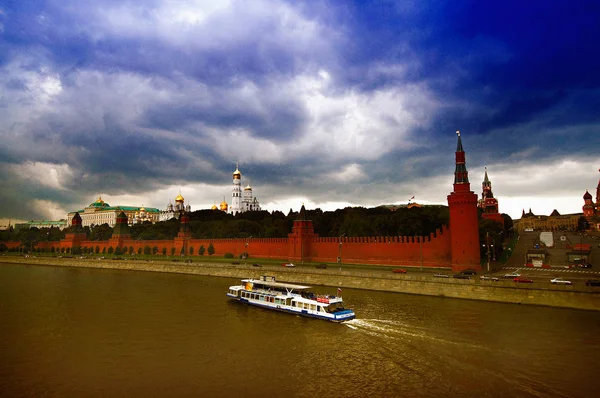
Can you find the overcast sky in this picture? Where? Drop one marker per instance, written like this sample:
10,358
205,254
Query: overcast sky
327,103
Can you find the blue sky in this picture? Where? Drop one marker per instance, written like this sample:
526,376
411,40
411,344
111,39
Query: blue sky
327,103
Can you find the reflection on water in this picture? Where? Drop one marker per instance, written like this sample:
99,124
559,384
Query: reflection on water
85,332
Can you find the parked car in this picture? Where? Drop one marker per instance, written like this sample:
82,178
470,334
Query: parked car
321,266
488,278
288,265
256,265
512,275
585,265
560,281
399,271
593,282
461,276
440,275
522,279
468,271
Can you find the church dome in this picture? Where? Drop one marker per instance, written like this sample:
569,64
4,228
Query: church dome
214,207
179,198
237,174
224,206
142,209
248,188
587,196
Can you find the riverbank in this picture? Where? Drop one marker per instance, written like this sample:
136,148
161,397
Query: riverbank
577,297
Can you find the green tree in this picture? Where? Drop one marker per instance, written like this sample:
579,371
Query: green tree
118,251
101,232
104,250
130,250
191,251
164,251
201,250
111,250
139,250
147,249
211,249
172,251
97,249
154,250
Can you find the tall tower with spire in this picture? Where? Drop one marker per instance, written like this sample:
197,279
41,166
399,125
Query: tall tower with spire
236,192
464,223
488,203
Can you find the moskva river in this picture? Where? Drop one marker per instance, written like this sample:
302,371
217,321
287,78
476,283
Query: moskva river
68,332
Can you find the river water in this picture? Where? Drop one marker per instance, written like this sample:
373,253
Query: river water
78,332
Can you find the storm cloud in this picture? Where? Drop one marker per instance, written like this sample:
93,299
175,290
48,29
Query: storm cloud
330,103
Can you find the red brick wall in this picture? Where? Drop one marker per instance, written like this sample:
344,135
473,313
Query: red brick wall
366,250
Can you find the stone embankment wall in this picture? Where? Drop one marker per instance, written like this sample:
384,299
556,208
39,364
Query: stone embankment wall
578,297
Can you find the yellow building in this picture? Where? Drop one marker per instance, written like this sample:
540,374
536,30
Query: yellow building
553,222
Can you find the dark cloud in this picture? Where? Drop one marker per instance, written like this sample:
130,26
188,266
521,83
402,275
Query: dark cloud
336,100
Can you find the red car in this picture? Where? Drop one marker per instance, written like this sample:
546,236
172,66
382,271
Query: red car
399,271
522,279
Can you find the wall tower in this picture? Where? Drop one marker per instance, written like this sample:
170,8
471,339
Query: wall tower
464,223
488,203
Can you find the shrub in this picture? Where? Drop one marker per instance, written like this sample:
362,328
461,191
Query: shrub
228,255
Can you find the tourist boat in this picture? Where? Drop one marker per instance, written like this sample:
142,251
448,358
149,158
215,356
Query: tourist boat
294,299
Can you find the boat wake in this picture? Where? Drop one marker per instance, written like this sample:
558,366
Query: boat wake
388,329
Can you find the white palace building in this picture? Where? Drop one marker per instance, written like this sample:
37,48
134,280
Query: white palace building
100,212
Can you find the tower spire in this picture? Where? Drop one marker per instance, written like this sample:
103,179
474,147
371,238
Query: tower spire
461,175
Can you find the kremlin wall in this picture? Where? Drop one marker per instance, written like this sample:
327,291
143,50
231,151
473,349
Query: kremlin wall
455,246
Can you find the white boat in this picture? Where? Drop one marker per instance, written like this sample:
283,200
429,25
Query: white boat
294,299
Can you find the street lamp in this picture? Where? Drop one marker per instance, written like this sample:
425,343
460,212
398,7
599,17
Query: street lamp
487,244
246,253
340,251
421,247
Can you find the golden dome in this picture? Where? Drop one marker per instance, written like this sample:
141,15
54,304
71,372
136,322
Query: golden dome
224,206
99,200
248,188
179,198
142,209
214,207
237,174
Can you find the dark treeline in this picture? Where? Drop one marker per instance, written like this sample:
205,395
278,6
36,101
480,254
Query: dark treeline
351,221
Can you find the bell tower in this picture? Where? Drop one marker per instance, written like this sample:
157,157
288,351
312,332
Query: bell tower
464,223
